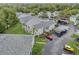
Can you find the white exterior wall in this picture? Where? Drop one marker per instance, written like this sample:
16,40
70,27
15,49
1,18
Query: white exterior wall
26,28
39,31
73,19
40,14
55,13
52,27
49,14
46,30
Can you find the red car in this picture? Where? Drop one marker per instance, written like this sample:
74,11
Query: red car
49,37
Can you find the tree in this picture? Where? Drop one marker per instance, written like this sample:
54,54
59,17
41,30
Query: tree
10,14
2,28
35,11
68,12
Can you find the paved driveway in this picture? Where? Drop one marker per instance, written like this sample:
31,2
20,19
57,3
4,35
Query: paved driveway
56,47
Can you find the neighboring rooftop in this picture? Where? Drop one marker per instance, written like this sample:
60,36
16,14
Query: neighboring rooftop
44,24
16,44
25,19
29,20
24,15
33,21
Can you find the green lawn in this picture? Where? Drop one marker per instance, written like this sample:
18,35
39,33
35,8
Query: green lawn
77,26
75,36
16,29
37,48
40,39
74,45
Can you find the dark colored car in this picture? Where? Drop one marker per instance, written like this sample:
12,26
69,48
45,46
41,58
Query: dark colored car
57,34
62,22
77,39
56,25
49,37
61,33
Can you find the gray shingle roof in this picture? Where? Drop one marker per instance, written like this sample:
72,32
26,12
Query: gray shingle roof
24,15
44,24
33,21
15,44
25,19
